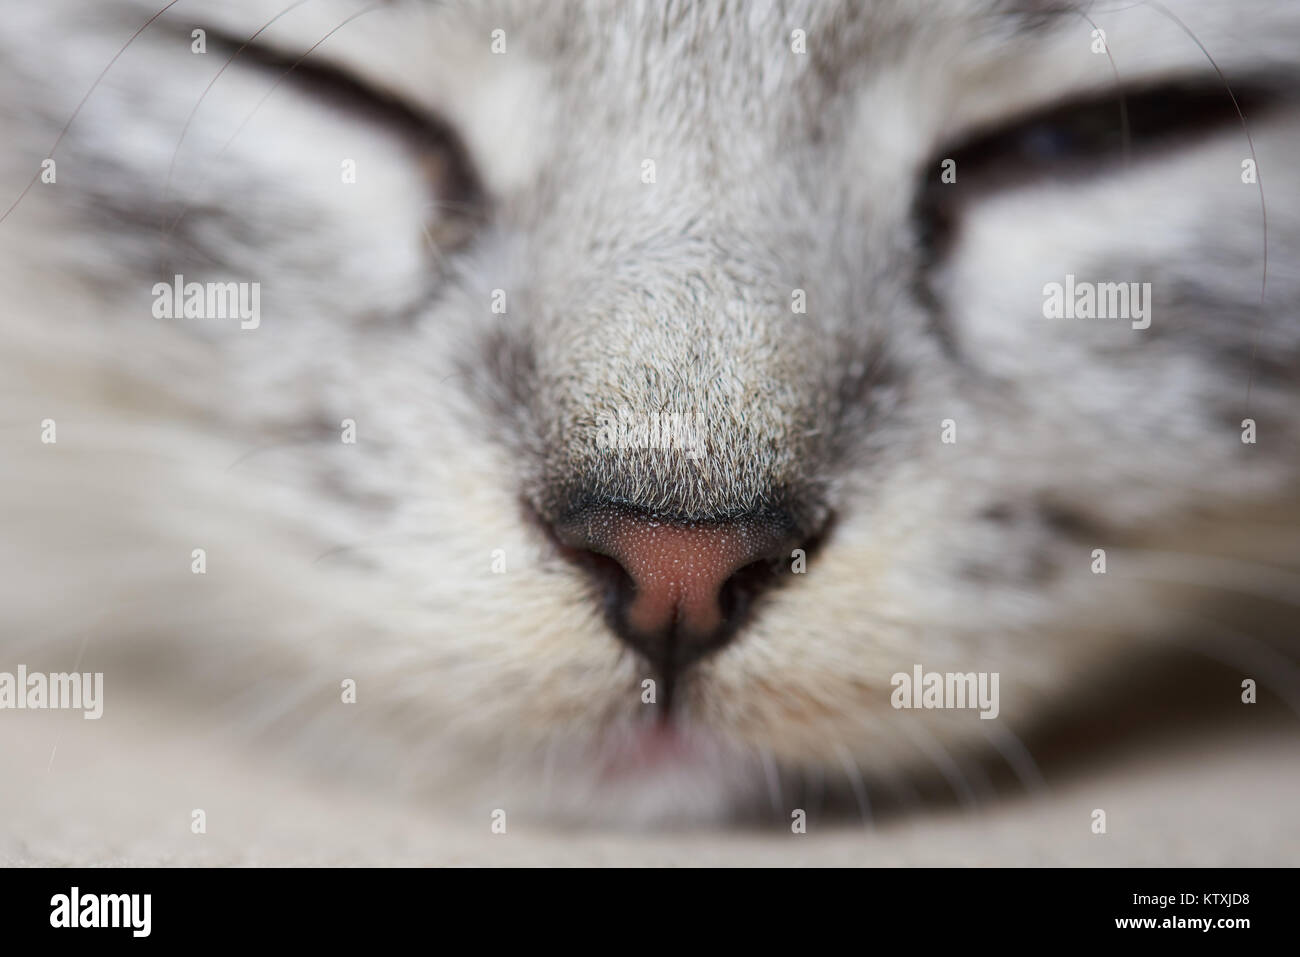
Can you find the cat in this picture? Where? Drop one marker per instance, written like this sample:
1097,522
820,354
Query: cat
616,413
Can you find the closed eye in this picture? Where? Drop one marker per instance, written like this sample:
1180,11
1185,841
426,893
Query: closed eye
1078,139
434,143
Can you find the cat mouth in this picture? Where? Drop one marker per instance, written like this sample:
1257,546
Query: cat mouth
655,749
647,749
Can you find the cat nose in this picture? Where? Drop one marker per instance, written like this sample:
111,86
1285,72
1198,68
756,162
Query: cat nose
676,591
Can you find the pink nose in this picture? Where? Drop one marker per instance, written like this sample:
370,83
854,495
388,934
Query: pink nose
679,594
679,571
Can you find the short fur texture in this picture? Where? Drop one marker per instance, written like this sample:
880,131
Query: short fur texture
774,171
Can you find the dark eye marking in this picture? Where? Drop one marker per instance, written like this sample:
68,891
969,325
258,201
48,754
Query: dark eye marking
1086,135
1075,140
433,141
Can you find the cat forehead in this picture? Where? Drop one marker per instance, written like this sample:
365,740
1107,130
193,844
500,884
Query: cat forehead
524,81
510,75
443,50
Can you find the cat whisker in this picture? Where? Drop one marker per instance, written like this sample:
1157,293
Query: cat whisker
1126,135
171,167
951,771
1215,572
548,768
451,205
432,542
773,778
170,229
1259,180
434,248
1247,653
1016,754
304,439
77,111
856,782
814,788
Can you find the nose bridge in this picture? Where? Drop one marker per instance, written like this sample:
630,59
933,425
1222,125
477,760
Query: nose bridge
678,312
679,396
672,374
652,212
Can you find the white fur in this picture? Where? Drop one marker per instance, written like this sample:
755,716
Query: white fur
373,562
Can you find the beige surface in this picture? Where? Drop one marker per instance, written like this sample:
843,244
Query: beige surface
122,793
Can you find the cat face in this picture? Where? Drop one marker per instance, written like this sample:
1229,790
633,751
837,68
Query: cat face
637,391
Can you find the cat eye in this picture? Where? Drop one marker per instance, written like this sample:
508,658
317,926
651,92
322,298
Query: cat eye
460,196
1080,136
1077,139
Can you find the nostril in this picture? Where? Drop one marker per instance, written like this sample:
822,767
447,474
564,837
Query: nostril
739,591
675,590
614,584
